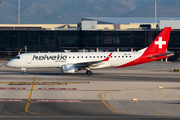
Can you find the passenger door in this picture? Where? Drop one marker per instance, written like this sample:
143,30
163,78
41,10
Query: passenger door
28,58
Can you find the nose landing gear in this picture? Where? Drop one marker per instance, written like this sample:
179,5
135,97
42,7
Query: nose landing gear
24,71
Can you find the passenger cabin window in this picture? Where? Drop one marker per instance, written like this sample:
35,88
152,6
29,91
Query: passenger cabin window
69,57
126,56
89,56
86,56
97,56
93,56
111,56
104,56
73,57
130,56
118,56
77,56
114,56
81,56
122,56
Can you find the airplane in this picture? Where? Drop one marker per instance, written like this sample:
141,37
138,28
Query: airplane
72,62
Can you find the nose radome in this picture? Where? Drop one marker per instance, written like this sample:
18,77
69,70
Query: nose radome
8,64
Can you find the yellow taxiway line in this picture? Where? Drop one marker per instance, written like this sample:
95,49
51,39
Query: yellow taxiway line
26,109
32,85
115,111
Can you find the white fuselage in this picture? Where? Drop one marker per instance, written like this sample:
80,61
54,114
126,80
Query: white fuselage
41,60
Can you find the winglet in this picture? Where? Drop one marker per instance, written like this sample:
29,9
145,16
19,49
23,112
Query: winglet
107,58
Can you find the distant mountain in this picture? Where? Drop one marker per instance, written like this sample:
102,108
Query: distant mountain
165,8
71,11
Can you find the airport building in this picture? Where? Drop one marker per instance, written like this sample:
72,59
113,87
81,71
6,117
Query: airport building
92,34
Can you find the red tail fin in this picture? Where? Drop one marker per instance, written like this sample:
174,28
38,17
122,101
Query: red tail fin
156,50
161,41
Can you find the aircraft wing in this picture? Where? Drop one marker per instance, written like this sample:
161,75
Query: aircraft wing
87,64
93,63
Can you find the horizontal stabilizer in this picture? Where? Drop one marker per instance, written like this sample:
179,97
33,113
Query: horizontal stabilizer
169,54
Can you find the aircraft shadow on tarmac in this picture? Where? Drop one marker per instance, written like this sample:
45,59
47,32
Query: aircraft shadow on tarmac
174,102
95,76
64,74
13,72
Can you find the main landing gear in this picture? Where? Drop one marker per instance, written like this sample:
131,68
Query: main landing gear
88,72
24,71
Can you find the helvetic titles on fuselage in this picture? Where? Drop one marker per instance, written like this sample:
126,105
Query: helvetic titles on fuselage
57,58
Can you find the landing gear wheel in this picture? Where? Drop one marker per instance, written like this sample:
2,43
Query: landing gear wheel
88,72
24,73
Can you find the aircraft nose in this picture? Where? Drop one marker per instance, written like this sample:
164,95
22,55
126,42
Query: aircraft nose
8,64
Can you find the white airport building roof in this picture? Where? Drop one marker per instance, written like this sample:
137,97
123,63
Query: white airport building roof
126,20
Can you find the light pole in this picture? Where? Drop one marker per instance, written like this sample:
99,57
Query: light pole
155,11
18,11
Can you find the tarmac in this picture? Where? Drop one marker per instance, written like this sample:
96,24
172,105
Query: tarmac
108,93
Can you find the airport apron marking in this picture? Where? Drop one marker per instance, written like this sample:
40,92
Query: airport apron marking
115,111
41,83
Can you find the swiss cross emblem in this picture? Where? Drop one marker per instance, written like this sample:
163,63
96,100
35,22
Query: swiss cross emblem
160,43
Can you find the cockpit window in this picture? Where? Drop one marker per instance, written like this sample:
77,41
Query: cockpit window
17,57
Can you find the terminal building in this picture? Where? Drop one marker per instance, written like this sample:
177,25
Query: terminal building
90,35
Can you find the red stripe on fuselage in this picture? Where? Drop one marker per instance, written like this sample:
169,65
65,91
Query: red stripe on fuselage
143,59
107,58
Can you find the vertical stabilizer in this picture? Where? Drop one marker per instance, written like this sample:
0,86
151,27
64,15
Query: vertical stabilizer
159,45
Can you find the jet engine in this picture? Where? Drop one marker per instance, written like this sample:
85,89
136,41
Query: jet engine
69,68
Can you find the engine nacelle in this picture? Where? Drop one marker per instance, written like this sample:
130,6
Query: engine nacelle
69,68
